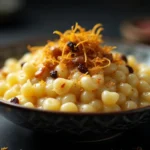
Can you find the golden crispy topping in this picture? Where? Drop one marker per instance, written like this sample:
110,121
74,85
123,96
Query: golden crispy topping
73,44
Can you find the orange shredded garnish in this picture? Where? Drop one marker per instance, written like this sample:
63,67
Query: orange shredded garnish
58,33
88,43
34,48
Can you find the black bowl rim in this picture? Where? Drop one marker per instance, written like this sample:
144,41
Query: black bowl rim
23,43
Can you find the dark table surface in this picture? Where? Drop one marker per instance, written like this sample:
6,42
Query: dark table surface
17,138
38,22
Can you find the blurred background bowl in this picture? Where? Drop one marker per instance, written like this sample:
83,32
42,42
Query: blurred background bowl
136,30
11,10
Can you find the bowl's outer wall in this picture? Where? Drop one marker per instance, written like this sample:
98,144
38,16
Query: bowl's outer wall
101,124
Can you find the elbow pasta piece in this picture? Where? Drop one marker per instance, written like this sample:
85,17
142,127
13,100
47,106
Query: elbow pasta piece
23,99
62,71
68,98
129,105
123,68
86,97
51,104
29,69
122,99
3,88
143,86
88,84
27,89
98,79
119,76
10,94
144,69
39,89
145,77
145,96
22,77
132,61
133,80
97,104
75,89
50,90
87,108
62,86
29,105
144,103
10,62
111,69
134,94
125,88
76,75
12,79
113,108
69,107
109,98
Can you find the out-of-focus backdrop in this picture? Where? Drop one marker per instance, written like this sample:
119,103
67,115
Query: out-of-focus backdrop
25,20
32,19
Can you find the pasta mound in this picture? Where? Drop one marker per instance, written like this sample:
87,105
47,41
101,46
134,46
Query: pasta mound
76,73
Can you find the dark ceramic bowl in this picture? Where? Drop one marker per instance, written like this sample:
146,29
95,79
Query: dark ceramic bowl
77,126
136,30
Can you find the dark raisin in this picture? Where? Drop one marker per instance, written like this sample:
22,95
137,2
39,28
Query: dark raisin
124,58
82,68
72,46
14,100
53,74
63,85
72,55
109,56
130,69
22,64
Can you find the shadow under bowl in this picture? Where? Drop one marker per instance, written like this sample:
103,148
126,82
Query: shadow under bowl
78,126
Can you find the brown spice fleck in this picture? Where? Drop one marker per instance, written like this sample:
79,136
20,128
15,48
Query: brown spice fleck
109,56
62,86
4,74
22,64
110,84
78,60
40,72
98,81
